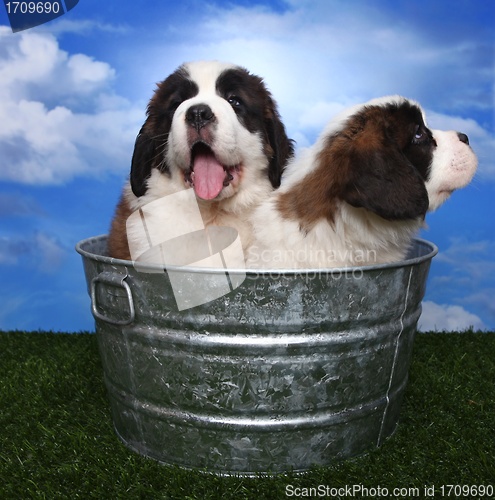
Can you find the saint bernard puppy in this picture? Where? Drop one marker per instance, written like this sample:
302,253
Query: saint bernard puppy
361,192
212,128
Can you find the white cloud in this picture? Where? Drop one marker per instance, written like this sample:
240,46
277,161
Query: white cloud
45,138
442,317
85,70
34,66
28,58
316,117
82,26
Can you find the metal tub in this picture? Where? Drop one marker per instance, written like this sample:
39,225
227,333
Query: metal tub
290,369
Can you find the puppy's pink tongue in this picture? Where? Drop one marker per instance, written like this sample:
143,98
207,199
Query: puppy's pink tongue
208,176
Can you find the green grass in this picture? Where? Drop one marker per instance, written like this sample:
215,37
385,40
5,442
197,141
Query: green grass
57,439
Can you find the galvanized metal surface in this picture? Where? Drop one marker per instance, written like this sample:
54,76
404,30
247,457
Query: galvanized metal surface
289,370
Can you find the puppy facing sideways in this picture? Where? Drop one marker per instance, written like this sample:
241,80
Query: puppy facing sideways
361,192
213,128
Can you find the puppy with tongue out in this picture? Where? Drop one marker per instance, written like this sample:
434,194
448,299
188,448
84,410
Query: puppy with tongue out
211,127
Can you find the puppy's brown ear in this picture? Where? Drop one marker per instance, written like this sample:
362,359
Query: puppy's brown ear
146,151
386,183
282,147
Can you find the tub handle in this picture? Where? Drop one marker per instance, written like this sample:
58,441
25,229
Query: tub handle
118,281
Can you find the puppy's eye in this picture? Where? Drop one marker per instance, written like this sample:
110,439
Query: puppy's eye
234,101
420,135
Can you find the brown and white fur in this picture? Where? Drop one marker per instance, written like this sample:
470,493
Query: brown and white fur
361,192
211,127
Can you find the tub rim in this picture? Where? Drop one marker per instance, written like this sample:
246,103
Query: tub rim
430,251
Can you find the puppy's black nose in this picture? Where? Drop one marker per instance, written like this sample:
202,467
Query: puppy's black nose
463,137
199,115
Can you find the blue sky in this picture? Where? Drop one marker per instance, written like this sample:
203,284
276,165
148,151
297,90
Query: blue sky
73,94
